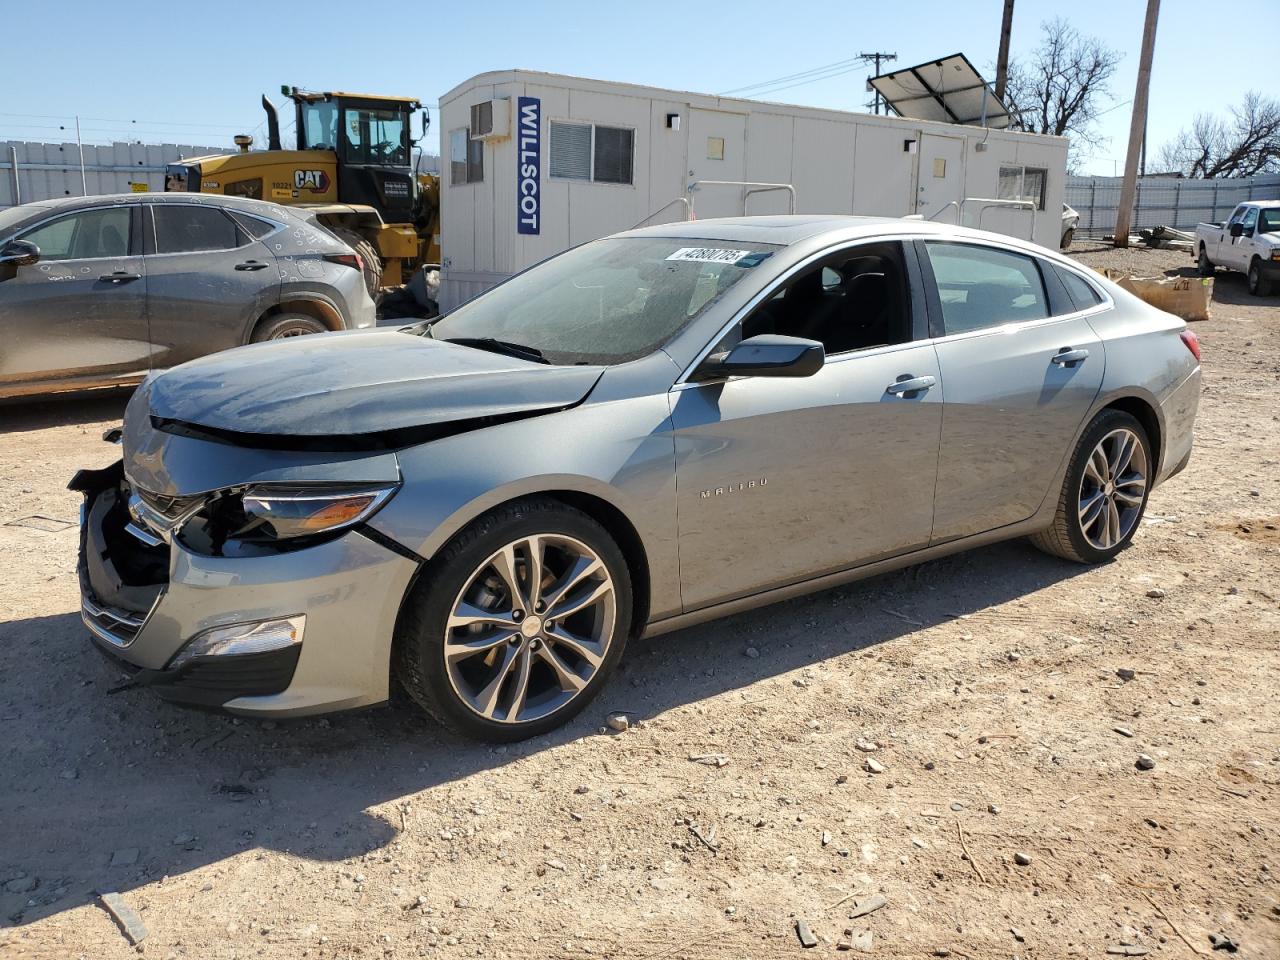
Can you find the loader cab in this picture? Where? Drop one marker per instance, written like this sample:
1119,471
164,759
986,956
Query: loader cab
371,138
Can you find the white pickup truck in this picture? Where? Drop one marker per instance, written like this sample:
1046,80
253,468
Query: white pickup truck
1249,242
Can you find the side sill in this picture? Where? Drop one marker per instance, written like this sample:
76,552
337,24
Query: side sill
1020,529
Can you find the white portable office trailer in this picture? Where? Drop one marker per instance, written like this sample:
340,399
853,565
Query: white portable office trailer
535,163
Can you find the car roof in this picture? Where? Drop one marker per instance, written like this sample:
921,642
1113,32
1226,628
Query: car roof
797,229
261,207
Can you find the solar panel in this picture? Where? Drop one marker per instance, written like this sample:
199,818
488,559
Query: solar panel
949,90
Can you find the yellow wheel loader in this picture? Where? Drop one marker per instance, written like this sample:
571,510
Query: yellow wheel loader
353,168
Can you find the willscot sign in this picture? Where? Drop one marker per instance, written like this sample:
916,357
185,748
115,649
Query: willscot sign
529,167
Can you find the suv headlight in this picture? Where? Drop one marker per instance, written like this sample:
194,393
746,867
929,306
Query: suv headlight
273,517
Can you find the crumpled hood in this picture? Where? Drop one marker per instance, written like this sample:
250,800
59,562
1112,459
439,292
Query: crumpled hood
358,384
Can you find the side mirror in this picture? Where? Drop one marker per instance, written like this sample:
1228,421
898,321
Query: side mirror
766,355
19,253
1237,228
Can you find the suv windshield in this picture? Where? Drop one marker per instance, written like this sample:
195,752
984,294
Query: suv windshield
604,302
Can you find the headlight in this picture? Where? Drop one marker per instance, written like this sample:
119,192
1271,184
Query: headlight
284,512
280,516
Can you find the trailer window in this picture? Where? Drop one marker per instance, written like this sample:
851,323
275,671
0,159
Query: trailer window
466,158
585,151
1023,183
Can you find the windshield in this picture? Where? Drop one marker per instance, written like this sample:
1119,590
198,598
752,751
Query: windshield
1269,221
605,302
319,126
13,216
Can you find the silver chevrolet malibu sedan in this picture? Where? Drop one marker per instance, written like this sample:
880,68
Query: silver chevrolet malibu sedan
643,433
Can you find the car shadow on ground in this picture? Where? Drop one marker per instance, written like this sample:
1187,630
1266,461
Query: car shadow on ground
21,414
108,790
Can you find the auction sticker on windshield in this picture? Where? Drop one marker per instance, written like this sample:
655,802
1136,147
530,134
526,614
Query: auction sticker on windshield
709,255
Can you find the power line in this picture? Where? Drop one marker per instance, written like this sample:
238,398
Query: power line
792,76
876,58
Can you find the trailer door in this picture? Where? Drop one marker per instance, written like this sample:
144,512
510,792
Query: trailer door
717,151
941,177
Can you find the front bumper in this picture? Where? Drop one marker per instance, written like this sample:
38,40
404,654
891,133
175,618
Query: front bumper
142,604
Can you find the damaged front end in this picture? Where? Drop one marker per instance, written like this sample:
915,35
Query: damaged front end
124,571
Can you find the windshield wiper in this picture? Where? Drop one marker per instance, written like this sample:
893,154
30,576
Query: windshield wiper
495,345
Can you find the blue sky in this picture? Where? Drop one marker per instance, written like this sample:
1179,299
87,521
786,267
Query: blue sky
193,73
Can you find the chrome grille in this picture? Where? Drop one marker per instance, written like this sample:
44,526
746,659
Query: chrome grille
171,507
117,627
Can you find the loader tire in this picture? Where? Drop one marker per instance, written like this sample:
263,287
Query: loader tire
369,258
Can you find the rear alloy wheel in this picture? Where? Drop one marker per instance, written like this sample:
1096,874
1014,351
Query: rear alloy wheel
1105,491
284,325
1204,266
519,624
1259,284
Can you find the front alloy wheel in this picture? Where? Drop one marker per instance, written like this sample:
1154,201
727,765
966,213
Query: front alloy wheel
530,628
516,624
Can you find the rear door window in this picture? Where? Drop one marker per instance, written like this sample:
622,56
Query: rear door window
87,235
190,229
982,286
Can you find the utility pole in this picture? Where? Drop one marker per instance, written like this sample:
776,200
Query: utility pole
1002,60
84,186
876,58
1137,126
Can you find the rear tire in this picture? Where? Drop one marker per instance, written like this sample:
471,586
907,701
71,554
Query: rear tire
1068,237
491,657
1204,266
1104,494
1259,283
371,262
283,325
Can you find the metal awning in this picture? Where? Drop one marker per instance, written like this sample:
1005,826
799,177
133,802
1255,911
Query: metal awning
949,90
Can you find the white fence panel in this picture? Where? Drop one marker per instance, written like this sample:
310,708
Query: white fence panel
1164,201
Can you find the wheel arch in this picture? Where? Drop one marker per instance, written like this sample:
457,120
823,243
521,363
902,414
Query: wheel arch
580,493
1146,412
311,305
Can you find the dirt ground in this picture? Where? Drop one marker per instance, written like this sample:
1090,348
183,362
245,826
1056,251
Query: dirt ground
1008,818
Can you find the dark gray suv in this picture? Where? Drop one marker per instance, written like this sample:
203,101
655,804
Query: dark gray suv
98,291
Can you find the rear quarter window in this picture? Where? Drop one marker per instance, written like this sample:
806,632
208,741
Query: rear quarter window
1082,292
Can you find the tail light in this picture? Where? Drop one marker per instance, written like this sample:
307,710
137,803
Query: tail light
347,260
1192,342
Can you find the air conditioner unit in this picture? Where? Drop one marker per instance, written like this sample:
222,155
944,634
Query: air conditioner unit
491,120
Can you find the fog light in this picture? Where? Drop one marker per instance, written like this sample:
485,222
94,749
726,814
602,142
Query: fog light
238,639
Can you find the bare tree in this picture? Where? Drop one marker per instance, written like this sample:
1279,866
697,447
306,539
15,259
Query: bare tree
1060,87
1244,142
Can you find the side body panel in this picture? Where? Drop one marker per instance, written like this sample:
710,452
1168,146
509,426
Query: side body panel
1010,415
618,451
201,302
784,479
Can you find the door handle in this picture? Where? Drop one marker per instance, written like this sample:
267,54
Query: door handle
1066,357
911,385
251,265
119,277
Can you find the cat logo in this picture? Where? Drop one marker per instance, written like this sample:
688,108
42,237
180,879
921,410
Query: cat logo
317,181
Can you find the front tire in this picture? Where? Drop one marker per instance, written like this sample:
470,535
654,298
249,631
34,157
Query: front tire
516,625
1259,284
1068,235
1204,266
1105,491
